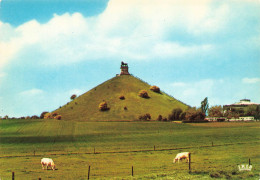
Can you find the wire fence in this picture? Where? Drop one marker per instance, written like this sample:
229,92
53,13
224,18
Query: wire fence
153,148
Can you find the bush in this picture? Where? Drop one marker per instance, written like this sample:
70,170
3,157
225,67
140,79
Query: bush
182,116
159,118
164,119
125,108
73,96
103,106
51,115
155,89
148,116
43,114
145,117
215,111
47,116
122,97
58,117
35,117
176,114
143,94
194,115
54,114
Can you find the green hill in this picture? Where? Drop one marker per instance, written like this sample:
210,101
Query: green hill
86,106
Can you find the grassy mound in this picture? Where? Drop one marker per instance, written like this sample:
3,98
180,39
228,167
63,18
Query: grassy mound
86,106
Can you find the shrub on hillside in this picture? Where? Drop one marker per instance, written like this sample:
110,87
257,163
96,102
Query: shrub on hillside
145,117
103,106
73,96
143,94
155,89
122,97
125,108
42,114
51,115
148,116
159,118
58,117
47,116
54,114
164,119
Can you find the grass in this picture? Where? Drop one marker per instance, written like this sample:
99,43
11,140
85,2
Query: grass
86,106
118,147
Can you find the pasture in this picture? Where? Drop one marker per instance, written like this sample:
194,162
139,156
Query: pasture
112,148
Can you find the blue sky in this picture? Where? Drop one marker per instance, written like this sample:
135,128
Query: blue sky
50,50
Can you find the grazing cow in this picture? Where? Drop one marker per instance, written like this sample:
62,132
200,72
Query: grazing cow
48,163
180,156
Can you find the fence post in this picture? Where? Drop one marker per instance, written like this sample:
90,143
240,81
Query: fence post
34,153
249,161
132,170
12,175
189,162
154,147
88,171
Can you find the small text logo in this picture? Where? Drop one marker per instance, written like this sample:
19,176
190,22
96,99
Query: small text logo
245,167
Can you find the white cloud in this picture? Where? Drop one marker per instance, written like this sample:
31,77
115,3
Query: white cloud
179,84
208,20
2,74
251,80
176,50
7,45
134,30
201,87
31,92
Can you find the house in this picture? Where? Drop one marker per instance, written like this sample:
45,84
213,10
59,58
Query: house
246,118
243,105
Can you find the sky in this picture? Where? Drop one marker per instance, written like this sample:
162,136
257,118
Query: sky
51,49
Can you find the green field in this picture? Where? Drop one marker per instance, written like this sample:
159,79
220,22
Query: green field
120,145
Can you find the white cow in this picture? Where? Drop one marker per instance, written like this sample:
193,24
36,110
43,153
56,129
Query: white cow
180,156
48,163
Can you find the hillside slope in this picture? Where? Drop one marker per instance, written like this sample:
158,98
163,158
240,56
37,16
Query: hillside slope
86,106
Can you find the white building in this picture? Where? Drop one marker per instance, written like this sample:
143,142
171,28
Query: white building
247,118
